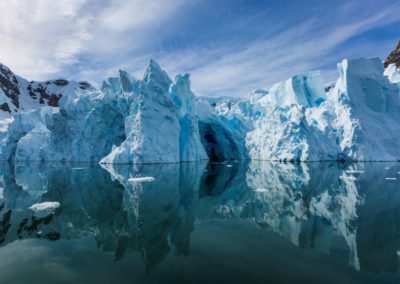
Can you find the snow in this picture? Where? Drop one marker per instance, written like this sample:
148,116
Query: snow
393,73
45,206
159,120
21,95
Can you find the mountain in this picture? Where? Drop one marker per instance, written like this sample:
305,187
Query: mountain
157,119
394,57
392,65
18,94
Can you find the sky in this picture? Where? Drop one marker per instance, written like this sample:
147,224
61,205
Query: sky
230,47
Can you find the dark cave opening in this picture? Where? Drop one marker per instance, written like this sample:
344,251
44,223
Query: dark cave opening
218,143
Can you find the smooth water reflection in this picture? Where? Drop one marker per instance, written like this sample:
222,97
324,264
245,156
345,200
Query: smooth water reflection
315,207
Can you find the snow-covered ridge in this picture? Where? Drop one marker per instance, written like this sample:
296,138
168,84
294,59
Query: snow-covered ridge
392,65
18,94
159,120
394,57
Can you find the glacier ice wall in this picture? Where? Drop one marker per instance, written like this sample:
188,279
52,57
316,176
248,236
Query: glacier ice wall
159,120
161,126
367,110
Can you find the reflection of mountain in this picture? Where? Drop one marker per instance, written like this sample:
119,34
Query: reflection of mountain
309,204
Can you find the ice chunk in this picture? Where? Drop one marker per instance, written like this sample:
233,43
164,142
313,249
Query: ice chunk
141,179
45,206
354,172
390,178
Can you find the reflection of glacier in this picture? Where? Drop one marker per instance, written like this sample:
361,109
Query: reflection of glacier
309,204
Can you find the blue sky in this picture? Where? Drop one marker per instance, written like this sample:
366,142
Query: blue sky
229,46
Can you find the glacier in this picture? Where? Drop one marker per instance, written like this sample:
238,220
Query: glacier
159,120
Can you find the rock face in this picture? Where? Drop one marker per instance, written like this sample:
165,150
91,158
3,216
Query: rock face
394,57
17,94
392,66
159,120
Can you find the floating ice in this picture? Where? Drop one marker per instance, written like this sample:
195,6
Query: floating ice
390,178
354,172
141,179
45,206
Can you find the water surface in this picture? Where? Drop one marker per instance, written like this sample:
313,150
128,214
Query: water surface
254,222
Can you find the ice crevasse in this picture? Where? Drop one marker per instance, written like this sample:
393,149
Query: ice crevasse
159,120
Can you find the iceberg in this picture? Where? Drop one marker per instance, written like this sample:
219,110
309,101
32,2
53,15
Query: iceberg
159,120
364,101
161,126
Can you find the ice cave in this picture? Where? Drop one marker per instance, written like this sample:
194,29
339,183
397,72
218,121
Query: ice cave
218,142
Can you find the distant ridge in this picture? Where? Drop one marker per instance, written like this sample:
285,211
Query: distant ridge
394,57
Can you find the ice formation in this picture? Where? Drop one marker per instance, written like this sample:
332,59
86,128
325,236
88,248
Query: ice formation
159,120
365,101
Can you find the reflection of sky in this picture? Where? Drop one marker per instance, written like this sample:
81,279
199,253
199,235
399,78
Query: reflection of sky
221,252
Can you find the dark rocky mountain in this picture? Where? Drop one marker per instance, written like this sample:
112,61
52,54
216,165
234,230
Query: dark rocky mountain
18,94
394,57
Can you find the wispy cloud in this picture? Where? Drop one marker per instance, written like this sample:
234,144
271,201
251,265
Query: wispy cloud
41,38
228,51
310,45
38,37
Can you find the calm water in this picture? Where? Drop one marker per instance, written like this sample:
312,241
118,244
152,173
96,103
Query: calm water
201,223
